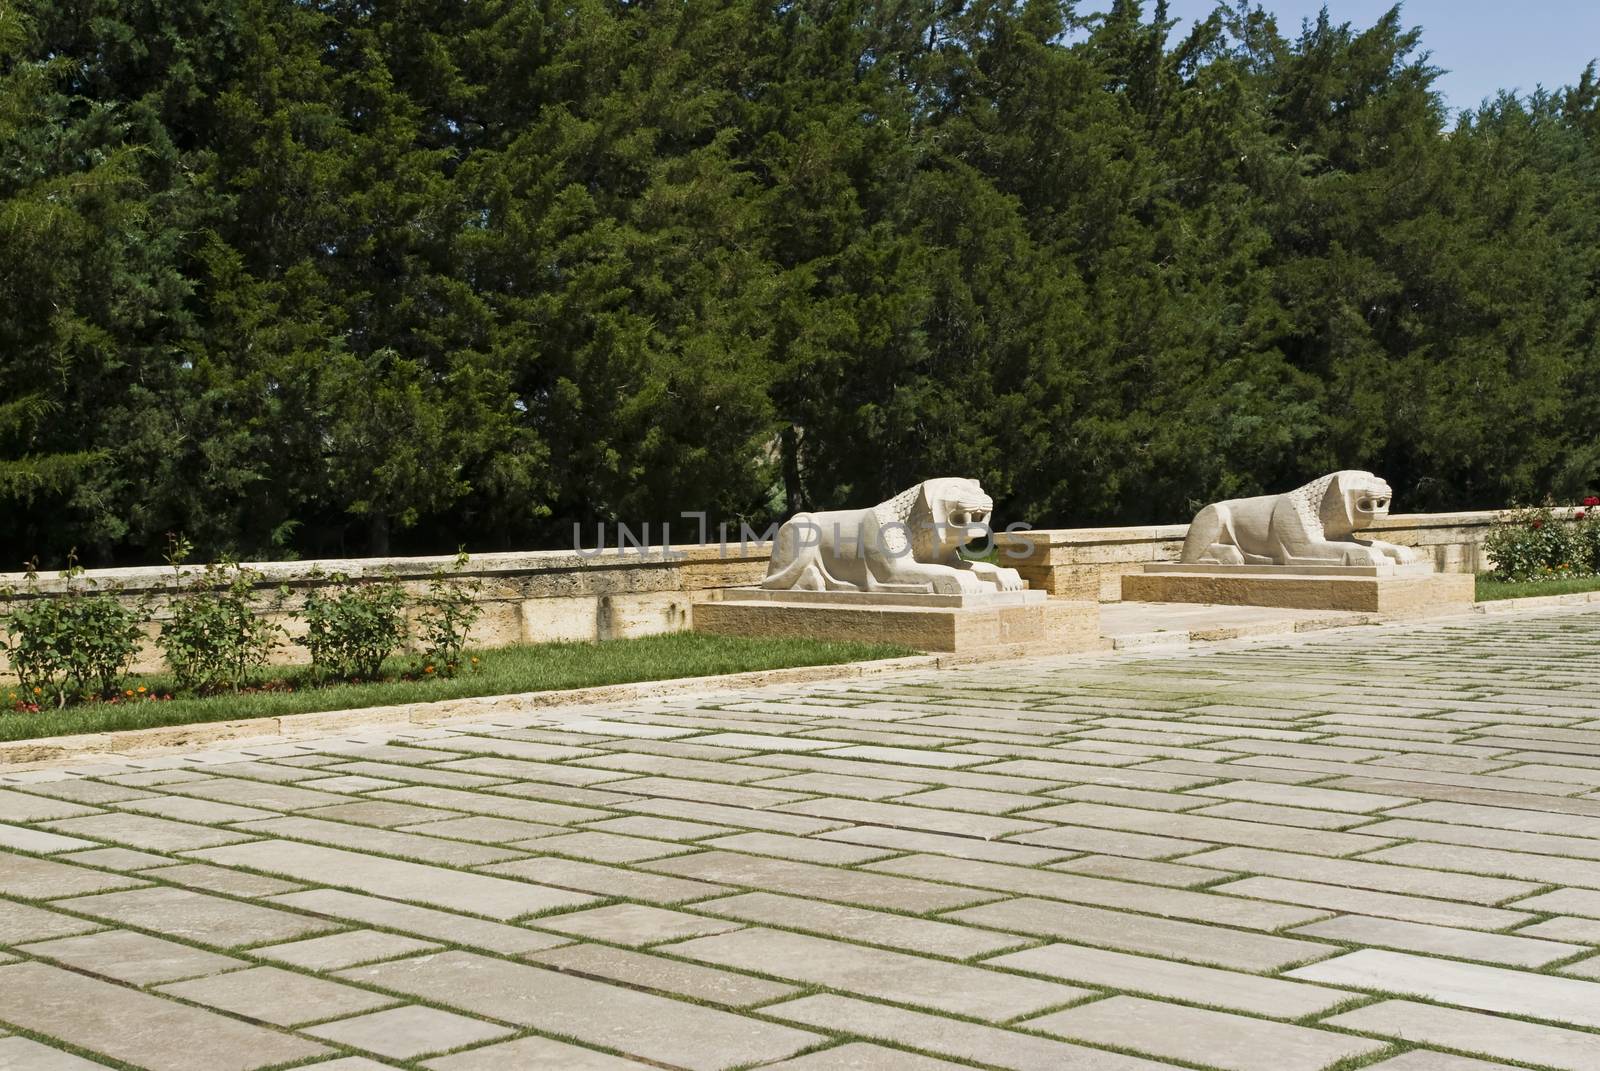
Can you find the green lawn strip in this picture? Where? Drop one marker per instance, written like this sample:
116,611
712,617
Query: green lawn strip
504,671
1492,590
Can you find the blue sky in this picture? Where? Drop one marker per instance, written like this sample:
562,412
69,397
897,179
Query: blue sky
1484,45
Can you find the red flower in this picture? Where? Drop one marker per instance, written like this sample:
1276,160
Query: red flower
1537,525
1591,501
1580,515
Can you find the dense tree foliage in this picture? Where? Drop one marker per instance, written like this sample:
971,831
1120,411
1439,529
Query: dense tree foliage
331,276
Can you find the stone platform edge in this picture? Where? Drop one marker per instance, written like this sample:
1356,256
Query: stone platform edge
1392,596
1535,602
1045,626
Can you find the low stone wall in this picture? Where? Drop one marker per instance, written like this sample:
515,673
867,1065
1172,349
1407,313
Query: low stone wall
1089,563
532,597
563,595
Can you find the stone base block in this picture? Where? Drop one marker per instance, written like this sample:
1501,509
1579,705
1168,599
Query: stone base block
1051,626
1408,595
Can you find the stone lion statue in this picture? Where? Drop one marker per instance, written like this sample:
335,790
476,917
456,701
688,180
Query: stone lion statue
907,544
1315,525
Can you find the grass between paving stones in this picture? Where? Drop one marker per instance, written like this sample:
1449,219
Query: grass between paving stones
756,1011
1492,590
502,671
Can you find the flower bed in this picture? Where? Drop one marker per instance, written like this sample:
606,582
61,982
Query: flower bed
1545,544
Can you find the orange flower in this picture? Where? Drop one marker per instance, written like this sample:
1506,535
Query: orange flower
428,669
141,689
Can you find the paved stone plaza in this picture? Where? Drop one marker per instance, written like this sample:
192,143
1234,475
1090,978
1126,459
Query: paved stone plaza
1370,848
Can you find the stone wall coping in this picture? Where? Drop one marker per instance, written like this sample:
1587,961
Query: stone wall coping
1466,519
1162,533
156,578
1057,537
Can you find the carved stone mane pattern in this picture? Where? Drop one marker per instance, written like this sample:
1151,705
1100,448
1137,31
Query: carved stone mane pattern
894,517
1307,502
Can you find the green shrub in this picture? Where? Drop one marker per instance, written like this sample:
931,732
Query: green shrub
353,626
215,641
75,645
444,618
1541,544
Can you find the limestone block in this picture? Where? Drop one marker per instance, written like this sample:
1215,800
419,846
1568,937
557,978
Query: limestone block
500,625
1042,577
548,620
1053,626
734,572
638,574
1071,625
621,616
149,659
1134,551
1394,596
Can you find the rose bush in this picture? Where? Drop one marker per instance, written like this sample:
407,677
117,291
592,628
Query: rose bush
1546,543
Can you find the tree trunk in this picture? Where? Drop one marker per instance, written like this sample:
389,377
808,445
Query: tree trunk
378,536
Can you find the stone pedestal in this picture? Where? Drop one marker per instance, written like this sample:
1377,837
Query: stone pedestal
1393,591
997,622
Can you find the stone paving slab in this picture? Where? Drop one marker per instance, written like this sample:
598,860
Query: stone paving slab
147,832
464,930
1231,1042
956,1038
1126,932
862,1056
1179,981
135,958
145,1030
211,920
347,949
534,1053
21,924
285,998
641,1024
634,925
671,977
22,1054
1437,1061
1373,849
1492,1035
1504,949
436,886
974,992
406,1033
41,879
27,807
861,925
417,846
1470,985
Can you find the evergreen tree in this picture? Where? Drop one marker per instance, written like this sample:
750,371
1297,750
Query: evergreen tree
342,278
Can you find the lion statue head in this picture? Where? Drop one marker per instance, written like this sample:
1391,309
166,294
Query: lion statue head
941,515
1348,501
